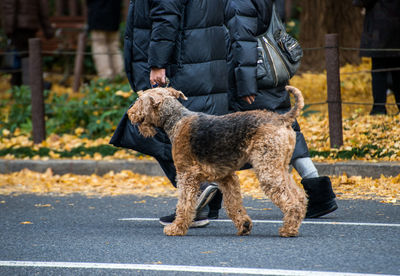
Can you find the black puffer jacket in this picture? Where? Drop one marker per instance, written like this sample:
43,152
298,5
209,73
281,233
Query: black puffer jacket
381,27
247,19
104,15
189,39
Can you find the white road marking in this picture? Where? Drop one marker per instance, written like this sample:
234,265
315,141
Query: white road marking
179,268
279,221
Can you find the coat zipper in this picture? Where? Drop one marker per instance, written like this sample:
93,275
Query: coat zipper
283,62
272,62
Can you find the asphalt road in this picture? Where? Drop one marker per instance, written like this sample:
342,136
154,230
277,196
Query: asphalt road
77,235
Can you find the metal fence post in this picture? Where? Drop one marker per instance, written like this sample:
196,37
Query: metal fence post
334,95
36,85
79,57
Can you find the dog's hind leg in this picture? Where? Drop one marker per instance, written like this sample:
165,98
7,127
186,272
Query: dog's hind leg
233,204
188,188
279,187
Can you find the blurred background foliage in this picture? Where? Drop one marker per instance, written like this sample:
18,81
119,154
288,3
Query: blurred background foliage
97,108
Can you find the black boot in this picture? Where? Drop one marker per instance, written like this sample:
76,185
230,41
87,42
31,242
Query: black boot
321,198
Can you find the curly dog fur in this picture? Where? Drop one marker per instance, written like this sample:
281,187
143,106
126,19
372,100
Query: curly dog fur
211,148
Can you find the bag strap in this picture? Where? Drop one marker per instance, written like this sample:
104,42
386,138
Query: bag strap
275,18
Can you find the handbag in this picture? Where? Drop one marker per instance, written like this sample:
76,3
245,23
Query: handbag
279,55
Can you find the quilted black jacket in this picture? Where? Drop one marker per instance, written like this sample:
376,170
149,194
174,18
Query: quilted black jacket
189,39
247,19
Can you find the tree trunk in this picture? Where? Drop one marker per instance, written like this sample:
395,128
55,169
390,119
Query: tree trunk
319,17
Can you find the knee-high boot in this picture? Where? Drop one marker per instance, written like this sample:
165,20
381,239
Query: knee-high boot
321,198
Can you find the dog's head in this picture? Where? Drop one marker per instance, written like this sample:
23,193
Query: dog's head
145,111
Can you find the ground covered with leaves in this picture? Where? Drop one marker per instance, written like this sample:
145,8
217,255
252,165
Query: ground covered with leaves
367,138
384,189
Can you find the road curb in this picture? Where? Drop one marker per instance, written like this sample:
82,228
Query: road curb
82,167
88,167
365,169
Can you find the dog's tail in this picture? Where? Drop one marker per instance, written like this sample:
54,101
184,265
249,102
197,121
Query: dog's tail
299,104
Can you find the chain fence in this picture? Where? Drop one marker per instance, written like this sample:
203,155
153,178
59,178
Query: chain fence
392,69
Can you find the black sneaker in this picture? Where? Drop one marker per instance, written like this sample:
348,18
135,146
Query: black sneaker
206,196
168,219
199,221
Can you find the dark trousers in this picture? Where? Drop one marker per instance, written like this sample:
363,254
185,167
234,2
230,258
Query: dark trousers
380,83
20,41
170,171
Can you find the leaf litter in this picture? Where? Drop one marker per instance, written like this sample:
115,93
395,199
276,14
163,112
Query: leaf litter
384,189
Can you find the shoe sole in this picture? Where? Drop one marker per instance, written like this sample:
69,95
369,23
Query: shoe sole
324,212
194,224
206,196
199,223
164,223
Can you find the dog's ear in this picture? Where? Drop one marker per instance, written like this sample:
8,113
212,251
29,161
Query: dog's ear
146,127
155,101
140,115
135,113
175,93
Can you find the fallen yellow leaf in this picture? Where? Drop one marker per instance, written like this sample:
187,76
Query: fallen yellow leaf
42,205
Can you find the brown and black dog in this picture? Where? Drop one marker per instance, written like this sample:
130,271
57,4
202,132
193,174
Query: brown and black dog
211,148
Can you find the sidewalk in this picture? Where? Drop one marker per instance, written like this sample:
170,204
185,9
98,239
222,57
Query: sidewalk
88,167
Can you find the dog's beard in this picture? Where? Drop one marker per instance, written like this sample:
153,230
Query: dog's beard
146,129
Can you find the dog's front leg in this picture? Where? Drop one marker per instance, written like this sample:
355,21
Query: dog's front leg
188,188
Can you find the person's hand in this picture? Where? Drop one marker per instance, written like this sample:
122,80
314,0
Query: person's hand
249,99
157,77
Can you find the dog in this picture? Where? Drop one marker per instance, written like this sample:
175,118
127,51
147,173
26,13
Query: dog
211,148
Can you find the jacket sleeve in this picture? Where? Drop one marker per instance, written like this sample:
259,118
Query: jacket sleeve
166,16
241,20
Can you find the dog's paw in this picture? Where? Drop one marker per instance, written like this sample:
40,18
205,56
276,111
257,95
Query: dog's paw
173,230
288,233
245,228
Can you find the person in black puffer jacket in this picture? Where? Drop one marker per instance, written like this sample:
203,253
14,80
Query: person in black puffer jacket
382,31
247,19
103,19
186,42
